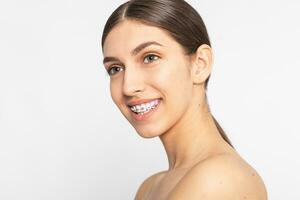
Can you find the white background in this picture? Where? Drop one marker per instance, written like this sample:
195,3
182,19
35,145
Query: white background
61,136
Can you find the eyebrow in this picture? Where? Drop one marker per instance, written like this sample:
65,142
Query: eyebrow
135,51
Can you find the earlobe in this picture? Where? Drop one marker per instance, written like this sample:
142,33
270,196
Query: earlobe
202,64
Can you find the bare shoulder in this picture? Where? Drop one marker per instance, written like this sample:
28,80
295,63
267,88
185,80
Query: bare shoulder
146,185
221,177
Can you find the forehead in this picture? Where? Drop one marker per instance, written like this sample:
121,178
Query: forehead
129,33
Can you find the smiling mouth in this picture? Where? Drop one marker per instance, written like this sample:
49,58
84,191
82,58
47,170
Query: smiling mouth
144,107
144,111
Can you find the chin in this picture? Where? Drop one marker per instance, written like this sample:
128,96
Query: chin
147,133
147,136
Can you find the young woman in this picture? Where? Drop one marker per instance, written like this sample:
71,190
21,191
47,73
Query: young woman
159,59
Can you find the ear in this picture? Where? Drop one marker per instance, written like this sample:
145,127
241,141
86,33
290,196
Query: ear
201,64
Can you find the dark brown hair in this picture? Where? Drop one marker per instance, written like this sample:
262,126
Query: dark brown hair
176,17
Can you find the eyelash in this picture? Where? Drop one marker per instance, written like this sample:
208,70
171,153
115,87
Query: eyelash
147,56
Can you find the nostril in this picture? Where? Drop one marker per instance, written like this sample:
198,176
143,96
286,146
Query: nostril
131,93
132,84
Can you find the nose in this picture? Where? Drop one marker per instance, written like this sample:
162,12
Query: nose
133,82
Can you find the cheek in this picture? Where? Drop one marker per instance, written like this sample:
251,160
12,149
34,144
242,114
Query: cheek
173,82
173,77
115,92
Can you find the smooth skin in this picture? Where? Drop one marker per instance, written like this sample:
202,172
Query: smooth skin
202,166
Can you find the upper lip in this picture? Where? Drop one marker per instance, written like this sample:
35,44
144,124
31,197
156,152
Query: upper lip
139,101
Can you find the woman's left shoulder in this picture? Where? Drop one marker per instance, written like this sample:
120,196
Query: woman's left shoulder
224,176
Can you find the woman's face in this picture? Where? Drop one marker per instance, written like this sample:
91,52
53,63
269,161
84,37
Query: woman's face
159,70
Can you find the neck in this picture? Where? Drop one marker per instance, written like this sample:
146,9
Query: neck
193,138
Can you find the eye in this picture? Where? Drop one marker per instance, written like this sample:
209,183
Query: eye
113,70
150,58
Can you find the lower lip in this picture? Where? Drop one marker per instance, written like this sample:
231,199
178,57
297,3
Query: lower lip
146,115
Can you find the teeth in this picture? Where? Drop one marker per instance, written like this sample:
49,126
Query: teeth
144,107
